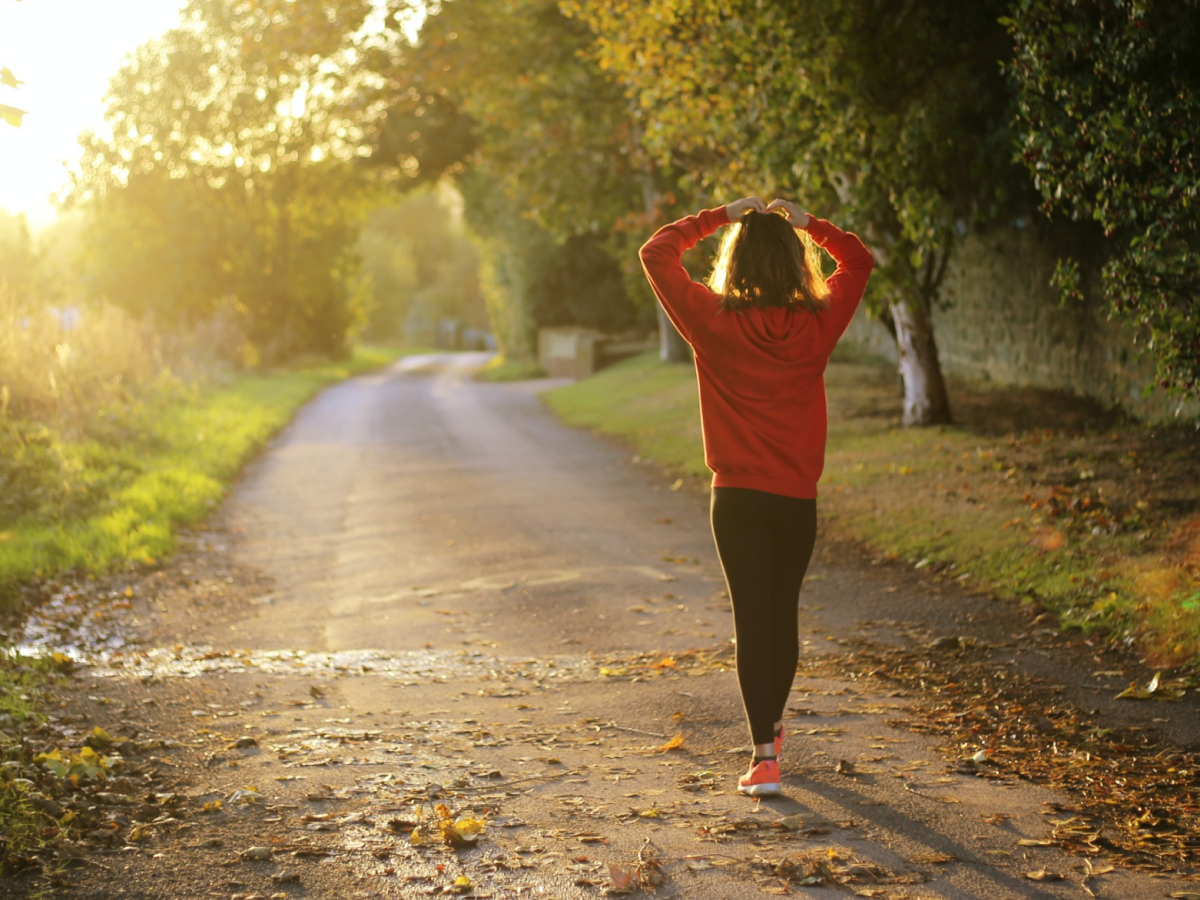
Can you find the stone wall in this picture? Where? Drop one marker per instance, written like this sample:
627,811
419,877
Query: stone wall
1002,321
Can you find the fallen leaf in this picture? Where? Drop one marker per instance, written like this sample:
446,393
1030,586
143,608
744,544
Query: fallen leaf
674,743
932,859
1043,875
621,879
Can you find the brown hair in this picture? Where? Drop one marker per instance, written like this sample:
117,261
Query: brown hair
764,262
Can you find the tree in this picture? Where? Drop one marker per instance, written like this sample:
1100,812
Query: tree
498,96
230,180
422,266
23,271
891,116
1108,121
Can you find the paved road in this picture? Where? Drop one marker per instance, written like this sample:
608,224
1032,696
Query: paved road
403,493
463,601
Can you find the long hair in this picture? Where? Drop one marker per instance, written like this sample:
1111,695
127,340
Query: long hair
765,262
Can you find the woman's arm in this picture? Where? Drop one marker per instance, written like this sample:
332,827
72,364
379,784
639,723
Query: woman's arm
684,300
854,263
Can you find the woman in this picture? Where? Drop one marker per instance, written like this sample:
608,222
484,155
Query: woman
762,332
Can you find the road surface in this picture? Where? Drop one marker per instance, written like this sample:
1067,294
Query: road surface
428,591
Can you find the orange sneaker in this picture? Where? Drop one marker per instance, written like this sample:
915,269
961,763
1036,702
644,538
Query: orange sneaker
761,781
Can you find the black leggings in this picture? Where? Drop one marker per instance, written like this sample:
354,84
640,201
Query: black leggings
765,542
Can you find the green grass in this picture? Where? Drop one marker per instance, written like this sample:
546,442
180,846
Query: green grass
22,681
1000,514
650,405
109,497
500,368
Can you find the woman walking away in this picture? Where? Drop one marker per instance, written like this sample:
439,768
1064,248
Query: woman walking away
762,332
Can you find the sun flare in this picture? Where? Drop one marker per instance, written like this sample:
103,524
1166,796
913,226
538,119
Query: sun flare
64,51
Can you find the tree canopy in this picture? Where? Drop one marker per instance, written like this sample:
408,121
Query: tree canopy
502,97
230,180
1109,117
891,117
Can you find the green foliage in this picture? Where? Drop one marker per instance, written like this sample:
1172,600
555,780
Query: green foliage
22,680
422,267
230,183
501,369
1109,117
501,97
92,502
24,272
889,117
579,283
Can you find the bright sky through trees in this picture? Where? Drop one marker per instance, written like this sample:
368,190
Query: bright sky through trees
65,51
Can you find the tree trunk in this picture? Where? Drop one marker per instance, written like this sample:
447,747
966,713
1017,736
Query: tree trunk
925,400
672,347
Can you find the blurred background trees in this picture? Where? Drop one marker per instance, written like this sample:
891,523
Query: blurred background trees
230,184
422,268
289,175
503,98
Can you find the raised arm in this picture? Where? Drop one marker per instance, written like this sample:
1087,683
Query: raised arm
849,281
684,300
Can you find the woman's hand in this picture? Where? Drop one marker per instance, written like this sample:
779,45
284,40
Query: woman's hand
739,208
797,218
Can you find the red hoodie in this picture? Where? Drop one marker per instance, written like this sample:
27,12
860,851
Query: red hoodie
761,371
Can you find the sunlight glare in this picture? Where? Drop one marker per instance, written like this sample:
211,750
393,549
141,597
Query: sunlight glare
65,51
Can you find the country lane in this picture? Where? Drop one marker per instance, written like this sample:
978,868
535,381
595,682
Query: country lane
449,598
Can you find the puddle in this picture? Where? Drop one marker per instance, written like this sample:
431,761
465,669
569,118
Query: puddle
78,622
192,661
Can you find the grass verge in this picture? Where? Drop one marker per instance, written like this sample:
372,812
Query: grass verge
22,681
501,368
91,500
1033,496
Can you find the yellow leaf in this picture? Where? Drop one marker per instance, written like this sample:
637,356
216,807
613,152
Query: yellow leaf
673,744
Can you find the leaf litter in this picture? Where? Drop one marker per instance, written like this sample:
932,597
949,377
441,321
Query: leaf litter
1131,799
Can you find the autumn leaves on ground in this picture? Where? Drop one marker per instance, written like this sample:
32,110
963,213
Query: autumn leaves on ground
447,753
